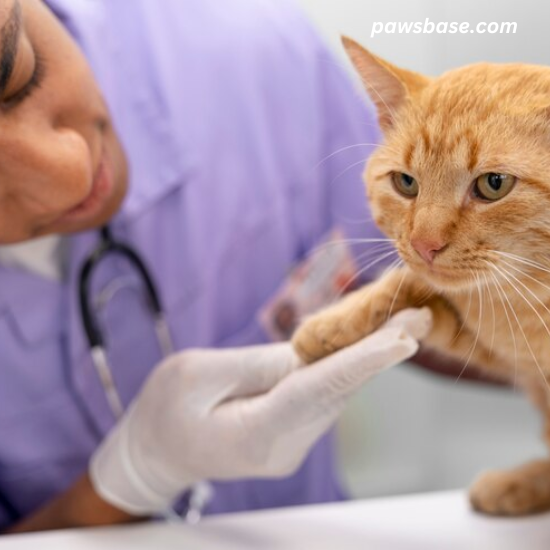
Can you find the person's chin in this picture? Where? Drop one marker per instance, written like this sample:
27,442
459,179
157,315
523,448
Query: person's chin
98,207
94,220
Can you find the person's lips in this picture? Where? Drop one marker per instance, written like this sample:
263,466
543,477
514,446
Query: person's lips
101,189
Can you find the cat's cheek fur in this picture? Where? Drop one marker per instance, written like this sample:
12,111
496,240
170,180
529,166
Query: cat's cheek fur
383,200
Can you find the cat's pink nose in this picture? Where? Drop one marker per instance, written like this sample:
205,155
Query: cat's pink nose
428,248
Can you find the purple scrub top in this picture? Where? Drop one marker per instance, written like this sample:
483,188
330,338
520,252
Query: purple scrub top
231,115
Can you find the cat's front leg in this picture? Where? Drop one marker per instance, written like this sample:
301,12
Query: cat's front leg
357,315
524,490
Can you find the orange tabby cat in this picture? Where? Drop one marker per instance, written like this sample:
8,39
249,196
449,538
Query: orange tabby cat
462,185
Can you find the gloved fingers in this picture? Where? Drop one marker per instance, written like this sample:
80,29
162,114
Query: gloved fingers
263,367
242,372
416,322
310,395
342,373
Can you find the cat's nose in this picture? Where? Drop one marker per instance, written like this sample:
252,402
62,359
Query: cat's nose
428,248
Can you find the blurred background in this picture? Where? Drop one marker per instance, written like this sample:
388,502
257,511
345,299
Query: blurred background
410,431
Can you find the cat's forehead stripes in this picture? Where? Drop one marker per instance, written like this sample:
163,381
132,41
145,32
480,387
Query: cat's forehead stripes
460,116
408,155
435,144
473,150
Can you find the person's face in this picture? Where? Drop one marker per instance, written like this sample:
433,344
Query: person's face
62,168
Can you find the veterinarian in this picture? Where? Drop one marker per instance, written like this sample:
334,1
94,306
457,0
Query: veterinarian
163,166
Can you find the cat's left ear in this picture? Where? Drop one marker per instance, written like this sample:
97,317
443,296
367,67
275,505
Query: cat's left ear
387,85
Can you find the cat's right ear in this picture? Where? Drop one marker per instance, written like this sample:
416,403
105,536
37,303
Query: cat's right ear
387,85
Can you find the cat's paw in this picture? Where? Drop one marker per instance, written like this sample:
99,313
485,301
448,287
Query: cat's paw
346,322
323,334
517,492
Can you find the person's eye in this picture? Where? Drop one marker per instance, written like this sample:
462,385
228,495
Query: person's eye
405,185
30,84
492,186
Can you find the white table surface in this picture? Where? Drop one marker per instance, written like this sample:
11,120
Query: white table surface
438,521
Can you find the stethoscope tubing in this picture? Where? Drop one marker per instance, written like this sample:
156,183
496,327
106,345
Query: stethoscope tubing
109,247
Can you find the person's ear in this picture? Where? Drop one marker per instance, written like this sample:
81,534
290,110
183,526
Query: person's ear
387,85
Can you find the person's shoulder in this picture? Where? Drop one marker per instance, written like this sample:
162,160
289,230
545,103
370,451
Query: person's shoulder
230,34
259,39
221,19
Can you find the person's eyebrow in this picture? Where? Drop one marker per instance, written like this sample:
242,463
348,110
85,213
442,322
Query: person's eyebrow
10,40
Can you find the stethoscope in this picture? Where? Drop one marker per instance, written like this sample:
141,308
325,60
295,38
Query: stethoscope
108,247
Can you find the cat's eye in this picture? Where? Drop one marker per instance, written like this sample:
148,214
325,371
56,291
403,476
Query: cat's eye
493,186
405,185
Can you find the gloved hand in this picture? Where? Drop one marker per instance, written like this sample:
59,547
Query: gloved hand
234,413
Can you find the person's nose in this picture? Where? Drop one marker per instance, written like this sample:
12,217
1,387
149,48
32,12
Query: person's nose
428,248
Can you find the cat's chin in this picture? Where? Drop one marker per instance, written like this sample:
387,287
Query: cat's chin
446,280
448,285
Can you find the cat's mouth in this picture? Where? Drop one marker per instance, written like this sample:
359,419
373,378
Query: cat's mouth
456,275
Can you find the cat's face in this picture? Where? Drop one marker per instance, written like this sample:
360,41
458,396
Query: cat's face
462,180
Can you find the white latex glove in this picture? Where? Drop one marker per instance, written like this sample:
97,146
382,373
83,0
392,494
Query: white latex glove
234,413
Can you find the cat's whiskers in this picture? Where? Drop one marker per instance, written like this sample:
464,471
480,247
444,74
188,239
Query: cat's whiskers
499,289
464,320
382,245
342,149
541,371
363,270
372,253
428,293
505,277
375,250
493,316
395,295
479,318
396,263
520,259
352,165
525,274
502,295
339,242
535,297
532,294
359,221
